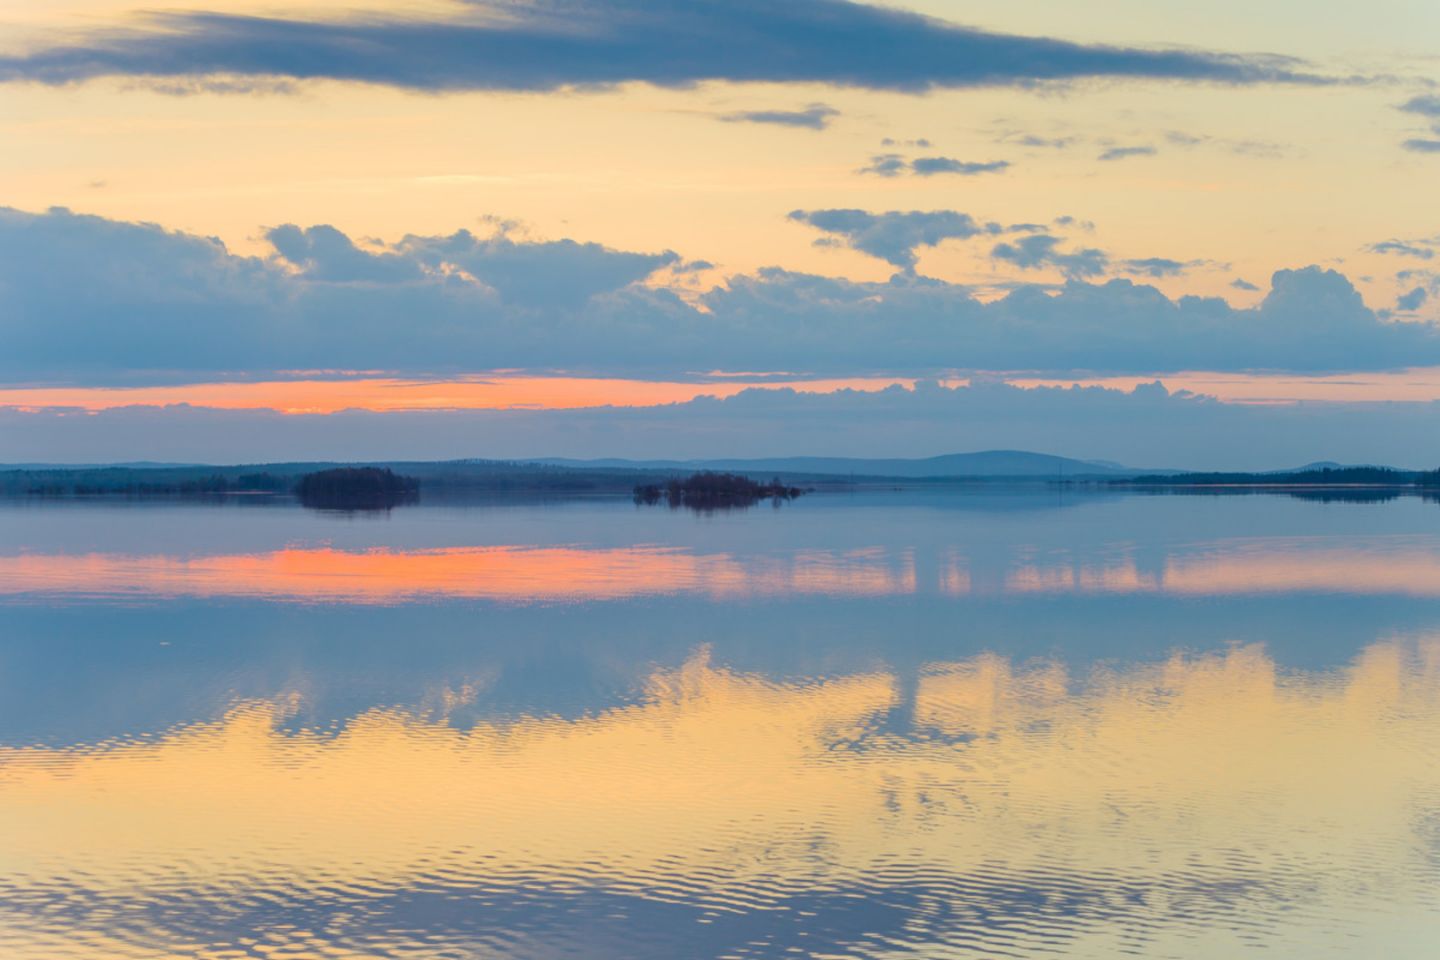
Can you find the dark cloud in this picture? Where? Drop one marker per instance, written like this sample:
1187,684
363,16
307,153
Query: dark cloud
553,44
894,164
1421,145
817,116
1120,153
1041,250
890,142
89,300
1239,283
894,236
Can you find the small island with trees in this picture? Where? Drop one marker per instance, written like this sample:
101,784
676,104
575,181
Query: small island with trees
715,491
356,488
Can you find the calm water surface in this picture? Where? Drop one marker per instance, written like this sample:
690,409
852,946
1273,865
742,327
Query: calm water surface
899,725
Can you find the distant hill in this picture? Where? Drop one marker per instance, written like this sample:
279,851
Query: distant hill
987,463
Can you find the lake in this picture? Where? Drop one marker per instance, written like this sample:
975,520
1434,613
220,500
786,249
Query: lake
901,724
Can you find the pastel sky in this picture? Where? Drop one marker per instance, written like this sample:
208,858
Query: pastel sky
229,228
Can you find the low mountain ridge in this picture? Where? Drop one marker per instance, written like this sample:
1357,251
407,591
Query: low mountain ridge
985,463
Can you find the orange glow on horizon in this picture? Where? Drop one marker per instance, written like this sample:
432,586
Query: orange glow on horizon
502,391
1416,385
513,390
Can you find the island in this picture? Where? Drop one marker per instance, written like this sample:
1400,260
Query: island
711,491
356,488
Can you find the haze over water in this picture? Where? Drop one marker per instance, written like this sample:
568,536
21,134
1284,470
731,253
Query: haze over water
902,724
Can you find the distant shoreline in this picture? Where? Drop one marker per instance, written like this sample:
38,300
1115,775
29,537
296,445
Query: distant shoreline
445,479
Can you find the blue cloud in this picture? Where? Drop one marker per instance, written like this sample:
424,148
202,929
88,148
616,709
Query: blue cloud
1120,153
894,164
1422,249
1157,266
894,236
929,166
558,273
886,165
89,300
817,116
573,43
1035,140
1413,300
324,253
1239,283
1426,105
1040,250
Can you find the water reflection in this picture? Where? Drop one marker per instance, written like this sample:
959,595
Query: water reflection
1397,564
583,729
1182,807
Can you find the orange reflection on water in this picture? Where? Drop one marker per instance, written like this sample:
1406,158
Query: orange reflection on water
1214,804
512,573
1397,565
506,573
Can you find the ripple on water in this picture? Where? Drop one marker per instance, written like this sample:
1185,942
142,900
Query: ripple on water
1193,807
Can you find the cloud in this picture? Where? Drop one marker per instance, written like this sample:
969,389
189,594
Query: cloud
1413,300
1426,105
894,164
1158,266
1239,283
324,253
929,166
893,236
817,116
1421,249
1120,153
1041,250
1246,148
556,44
554,274
94,301
1147,426
886,165
1035,140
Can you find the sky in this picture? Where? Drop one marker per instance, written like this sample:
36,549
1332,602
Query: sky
1162,233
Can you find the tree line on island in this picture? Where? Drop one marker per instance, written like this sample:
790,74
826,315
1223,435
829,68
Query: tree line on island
709,491
1321,477
376,486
